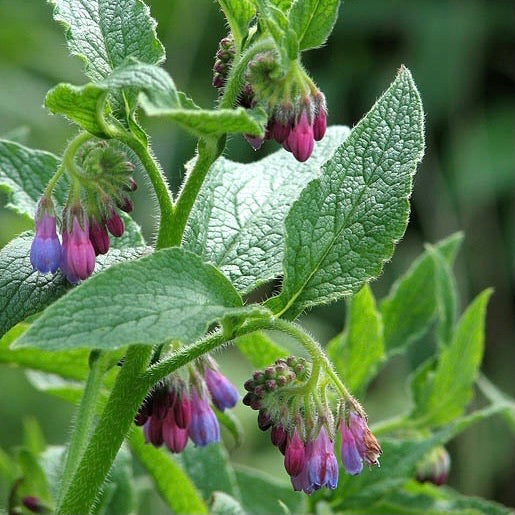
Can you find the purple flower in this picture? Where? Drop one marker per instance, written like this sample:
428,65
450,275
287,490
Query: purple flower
322,467
294,457
153,431
300,140
223,393
358,444
181,407
204,428
78,255
254,141
45,252
320,125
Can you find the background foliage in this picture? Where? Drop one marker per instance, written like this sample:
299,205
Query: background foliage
460,54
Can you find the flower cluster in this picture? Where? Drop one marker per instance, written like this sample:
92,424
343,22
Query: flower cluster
303,425
175,411
101,183
296,108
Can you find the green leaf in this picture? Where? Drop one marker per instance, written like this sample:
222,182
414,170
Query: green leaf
69,364
457,368
24,174
411,305
34,479
446,295
25,292
172,483
237,221
33,438
253,484
259,349
210,469
224,504
239,14
204,122
104,33
313,21
80,103
167,295
344,225
357,352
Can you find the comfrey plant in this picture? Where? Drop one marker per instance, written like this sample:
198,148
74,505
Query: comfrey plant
131,327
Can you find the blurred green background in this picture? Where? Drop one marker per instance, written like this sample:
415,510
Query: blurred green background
462,56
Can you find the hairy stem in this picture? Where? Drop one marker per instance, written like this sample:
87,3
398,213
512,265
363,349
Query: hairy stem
127,394
165,233
68,155
84,417
208,152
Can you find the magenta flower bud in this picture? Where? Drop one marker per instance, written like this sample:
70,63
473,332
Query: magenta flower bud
182,410
278,435
254,141
45,251
204,428
115,224
160,402
98,237
264,421
153,431
78,254
126,205
280,132
33,504
294,457
301,482
132,185
320,125
434,468
301,139
174,436
322,466
223,393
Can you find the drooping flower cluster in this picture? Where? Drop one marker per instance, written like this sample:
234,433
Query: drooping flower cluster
101,183
175,411
304,422
296,108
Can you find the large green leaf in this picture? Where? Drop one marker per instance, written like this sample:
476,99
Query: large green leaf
105,33
79,103
450,386
411,305
169,294
313,21
172,483
237,220
345,224
25,292
357,352
72,364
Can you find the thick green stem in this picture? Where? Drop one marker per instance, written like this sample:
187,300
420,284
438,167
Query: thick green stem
127,394
84,418
208,152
